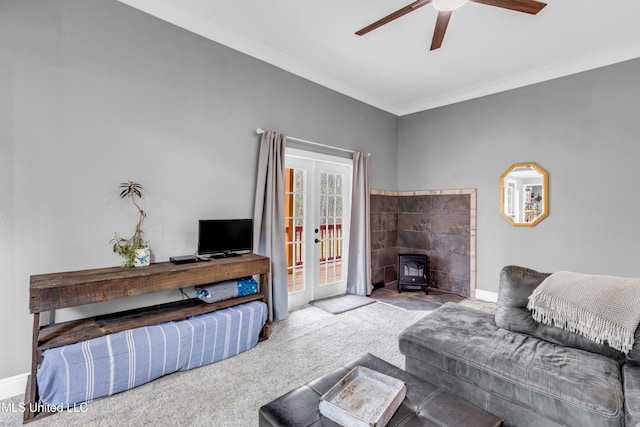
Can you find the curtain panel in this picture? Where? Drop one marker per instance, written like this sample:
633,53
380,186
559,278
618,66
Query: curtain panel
359,270
269,220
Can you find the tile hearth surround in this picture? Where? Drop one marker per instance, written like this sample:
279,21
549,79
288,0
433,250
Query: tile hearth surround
438,223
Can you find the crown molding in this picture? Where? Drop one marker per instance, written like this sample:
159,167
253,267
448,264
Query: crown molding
621,53
202,26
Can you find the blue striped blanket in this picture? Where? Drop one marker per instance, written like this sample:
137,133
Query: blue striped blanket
99,367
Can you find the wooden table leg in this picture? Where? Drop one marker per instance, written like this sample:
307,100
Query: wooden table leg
31,393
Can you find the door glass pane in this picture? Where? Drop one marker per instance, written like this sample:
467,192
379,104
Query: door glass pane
294,221
323,183
299,209
331,206
323,196
331,193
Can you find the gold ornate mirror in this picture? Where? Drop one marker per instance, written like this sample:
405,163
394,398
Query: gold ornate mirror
524,194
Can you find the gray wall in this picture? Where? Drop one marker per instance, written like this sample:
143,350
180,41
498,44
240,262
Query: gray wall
96,93
583,129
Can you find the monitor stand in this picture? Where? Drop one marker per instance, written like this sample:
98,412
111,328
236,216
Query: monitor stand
225,255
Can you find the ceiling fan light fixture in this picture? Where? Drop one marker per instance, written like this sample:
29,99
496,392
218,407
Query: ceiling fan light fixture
448,5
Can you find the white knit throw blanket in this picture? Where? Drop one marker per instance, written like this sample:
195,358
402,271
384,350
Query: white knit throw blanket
602,308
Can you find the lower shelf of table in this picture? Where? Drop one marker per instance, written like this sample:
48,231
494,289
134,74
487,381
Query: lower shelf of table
73,331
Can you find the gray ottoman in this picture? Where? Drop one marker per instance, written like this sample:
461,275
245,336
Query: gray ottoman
425,404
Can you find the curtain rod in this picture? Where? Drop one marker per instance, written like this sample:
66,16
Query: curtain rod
317,144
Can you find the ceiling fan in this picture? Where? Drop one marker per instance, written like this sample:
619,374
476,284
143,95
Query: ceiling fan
445,7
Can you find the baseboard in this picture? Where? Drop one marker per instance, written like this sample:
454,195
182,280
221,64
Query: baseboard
486,295
13,386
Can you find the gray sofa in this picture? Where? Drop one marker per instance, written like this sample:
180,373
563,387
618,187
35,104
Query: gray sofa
527,373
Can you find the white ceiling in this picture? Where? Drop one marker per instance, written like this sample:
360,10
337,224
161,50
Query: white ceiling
485,50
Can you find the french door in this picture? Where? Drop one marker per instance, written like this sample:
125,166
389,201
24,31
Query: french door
317,209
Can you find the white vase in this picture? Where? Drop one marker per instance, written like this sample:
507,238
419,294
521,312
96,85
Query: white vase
142,258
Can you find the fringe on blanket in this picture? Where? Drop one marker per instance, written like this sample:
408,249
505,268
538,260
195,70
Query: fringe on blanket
550,310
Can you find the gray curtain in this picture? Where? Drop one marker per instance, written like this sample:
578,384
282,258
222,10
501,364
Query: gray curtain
268,218
359,275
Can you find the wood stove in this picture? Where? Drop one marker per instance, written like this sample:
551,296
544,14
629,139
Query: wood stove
413,270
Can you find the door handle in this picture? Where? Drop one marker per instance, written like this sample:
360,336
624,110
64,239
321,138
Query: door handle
317,240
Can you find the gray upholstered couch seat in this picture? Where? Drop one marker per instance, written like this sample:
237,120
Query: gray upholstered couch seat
524,372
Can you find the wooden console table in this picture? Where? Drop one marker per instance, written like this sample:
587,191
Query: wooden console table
70,289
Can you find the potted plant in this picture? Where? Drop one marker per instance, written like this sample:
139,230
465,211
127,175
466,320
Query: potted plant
135,250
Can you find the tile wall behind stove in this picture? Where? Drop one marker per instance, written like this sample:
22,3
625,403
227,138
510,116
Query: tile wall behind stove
384,238
440,224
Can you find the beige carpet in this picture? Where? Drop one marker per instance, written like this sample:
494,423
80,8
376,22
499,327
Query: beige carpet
229,393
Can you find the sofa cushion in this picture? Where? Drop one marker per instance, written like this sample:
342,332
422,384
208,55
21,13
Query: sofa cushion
634,354
516,284
563,384
631,381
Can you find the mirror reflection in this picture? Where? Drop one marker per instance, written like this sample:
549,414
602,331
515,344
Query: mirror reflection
524,194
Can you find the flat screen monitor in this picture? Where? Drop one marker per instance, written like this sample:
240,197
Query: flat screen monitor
225,237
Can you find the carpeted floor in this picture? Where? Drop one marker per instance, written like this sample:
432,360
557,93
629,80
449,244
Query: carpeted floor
229,393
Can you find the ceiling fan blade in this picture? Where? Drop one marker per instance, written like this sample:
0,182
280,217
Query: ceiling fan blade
441,27
526,6
395,15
